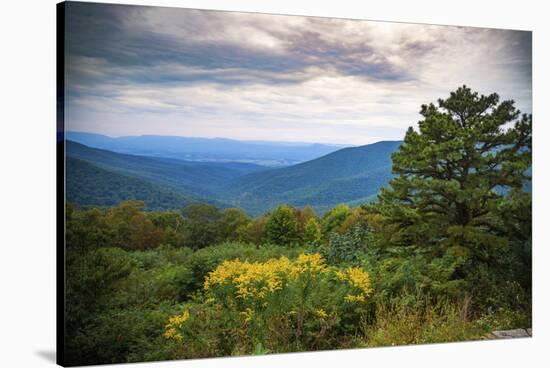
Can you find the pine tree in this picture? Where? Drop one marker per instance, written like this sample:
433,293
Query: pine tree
453,174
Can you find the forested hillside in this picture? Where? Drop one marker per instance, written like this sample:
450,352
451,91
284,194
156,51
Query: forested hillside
88,184
200,179
350,174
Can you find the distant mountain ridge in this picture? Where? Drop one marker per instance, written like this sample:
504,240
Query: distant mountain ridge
347,175
208,149
350,175
193,178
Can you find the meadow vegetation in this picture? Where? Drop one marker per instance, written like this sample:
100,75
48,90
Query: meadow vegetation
443,254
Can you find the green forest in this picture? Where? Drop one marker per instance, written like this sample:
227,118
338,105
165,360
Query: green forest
351,175
441,254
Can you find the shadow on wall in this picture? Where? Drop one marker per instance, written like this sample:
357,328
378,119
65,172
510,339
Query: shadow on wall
48,355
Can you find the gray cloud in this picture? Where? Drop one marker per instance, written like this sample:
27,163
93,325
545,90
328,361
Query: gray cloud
189,72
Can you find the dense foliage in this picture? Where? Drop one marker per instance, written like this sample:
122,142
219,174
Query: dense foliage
91,185
454,178
444,254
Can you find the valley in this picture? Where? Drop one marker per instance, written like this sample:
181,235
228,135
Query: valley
348,175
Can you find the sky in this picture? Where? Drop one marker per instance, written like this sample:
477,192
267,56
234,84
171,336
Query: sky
134,70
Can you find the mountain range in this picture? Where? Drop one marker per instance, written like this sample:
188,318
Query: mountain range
208,149
348,175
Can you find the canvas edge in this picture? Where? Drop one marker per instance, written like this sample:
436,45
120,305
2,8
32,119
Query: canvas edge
60,184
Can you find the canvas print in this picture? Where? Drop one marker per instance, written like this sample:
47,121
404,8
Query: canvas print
239,184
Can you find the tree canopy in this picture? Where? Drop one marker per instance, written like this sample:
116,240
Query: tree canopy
469,159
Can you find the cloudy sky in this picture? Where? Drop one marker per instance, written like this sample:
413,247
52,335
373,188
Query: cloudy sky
145,70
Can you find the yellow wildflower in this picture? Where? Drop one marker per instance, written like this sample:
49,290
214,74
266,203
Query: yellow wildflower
259,279
322,313
354,298
171,333
248,314
359,279
177,321
340,275
173,324
312,263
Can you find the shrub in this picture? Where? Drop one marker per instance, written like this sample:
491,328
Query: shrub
312,231
231,220
334,218
253,232
282,226
415,279
201,225
133,227
347,248
273,306
207,259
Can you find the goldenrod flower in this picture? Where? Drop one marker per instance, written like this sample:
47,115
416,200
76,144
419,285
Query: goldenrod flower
259,279
174,323
354,298
359,279
322,313
248,314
